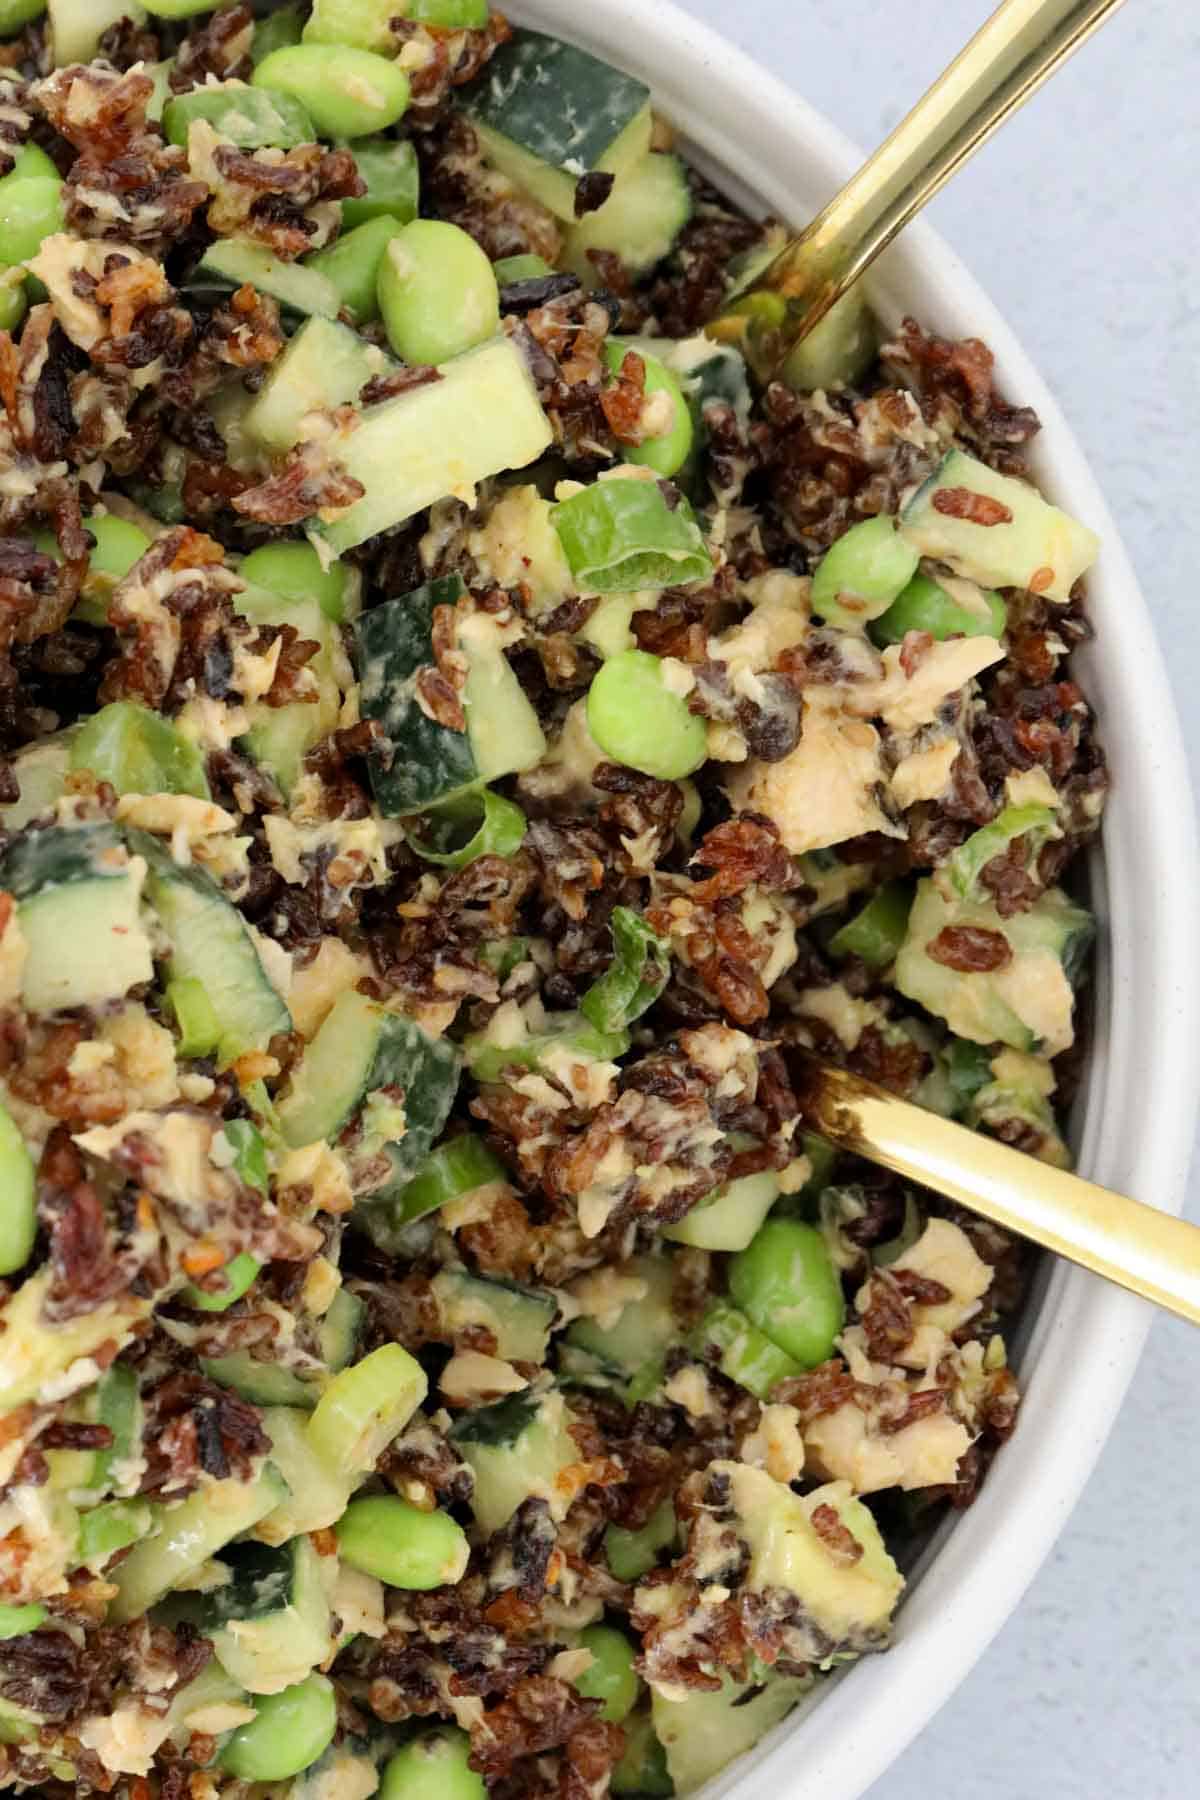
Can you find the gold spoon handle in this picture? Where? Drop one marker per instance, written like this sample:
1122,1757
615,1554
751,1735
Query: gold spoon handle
1138,1247
1007,60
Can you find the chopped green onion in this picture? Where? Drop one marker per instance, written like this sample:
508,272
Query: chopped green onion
15,1621
239,1274
747,1355
619,535
18,1218
637,975
458,1166
112,1527
963,867
569,1032
876,933
365,1407
926,606
250,1153
199,1027
500,830
401,1545
968,1069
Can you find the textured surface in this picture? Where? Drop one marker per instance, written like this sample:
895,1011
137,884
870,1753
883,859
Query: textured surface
1079,220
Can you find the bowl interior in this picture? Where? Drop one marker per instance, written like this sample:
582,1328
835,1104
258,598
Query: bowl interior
1133,1124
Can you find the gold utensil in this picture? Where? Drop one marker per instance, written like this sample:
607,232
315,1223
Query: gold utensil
1146,1251
1007,60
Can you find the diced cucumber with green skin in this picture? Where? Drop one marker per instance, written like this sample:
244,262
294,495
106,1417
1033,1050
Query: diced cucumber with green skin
632,1554
621,535
643,1765
483,416
211,1687
703,1733
547,113
1020,1094
231,262
427,762
279,28
280,737
390,169
1025,1003
353,264
729,1218
340,1330
569,1032
76,26
271,1622
18,1218
459,1166
325,365
210,943
647,1327
959,874
746,1354
41,771
838,350
876,933
262,1383
250,117
78,893
138,752
187,1534
925,605
518,1318
1031,544
516,1448
639,222
360,1048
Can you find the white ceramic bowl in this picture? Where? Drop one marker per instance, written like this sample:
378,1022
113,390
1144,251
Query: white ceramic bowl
1134,1124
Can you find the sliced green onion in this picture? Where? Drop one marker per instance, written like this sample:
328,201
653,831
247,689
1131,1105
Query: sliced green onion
118,1405
570,1032
963,867
458,1166
625,534
239,1274
968,1069
876,933
637,975
15,1621
747,1355
492,826
199,1027
401,1545
365,1407
112,1527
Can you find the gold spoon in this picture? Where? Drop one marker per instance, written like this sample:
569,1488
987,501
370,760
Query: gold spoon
1146,1251
1007,60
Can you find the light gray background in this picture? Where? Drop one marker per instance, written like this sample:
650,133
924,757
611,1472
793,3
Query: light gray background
1081,220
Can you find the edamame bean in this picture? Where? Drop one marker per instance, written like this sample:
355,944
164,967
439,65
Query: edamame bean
643,1767
32,160
666,416
348,92
15,13
18,1223
119,544
521,268
863,573
786,1284
437,292
638,720
452,15
433,1767
288,1733
280,28
353,264
31,209
15,1621
927,606
401,1545
177,9
14,299
611,1677
389,168
296,572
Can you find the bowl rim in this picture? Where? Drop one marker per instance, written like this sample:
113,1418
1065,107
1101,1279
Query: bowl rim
1135,1123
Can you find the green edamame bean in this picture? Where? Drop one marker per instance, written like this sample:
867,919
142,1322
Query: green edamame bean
639,721
296,572
18,1223
437,292
15,1621
786,1284
643,1767
31,209
521,268
612,1677
31,160
177,9
14,299
119,544
925,605
451,15
401,1545
288,1733
15,13
353,264
389,168
666,416
433,1767
280,28
863,573
348,92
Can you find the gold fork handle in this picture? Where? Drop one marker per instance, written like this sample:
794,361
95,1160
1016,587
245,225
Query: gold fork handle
1007,60
1147,1251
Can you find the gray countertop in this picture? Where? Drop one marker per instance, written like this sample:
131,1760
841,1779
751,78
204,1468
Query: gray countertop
1081,222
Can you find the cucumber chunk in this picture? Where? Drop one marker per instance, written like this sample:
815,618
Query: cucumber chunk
639,222
646,1327
325,365
482,417
76,26
548,113
280,737
231,262
728,1218
271,1621
703,1732
262,1383
516,1448
428,762
78,893
211,944
1027,543
185,1535
41,771
518,1318
390,169
138,752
